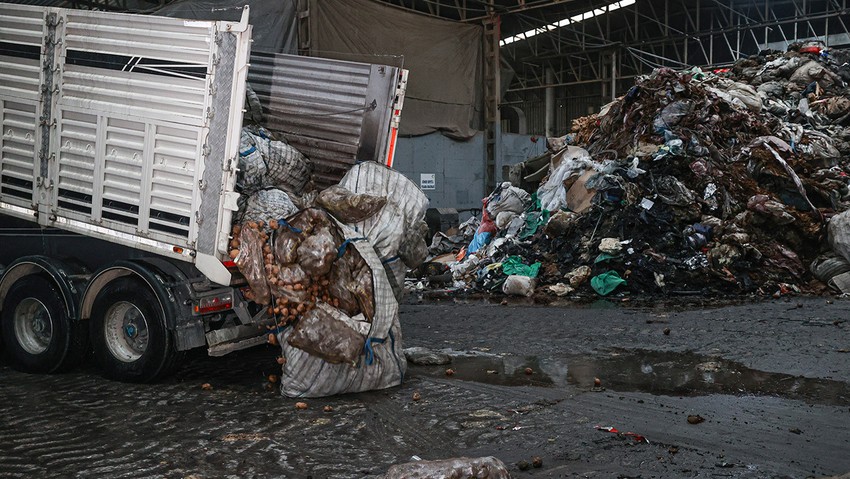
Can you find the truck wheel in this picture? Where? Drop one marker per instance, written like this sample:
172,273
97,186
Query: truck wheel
129,335
37,332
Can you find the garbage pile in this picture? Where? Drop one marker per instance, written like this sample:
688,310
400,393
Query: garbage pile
692,183
326,266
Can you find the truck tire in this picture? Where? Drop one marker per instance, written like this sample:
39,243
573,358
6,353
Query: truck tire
38,335
129,335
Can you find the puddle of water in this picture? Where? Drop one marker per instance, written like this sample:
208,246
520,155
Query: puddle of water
688,374
498,370
660,373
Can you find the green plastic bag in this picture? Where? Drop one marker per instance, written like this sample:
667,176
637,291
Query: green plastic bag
606,283
513,265
533,221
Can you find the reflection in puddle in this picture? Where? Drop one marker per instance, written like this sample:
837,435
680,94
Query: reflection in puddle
661,373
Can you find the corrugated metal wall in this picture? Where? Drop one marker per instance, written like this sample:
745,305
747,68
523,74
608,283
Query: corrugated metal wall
325,107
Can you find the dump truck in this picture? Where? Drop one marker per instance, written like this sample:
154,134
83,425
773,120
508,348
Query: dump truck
119,143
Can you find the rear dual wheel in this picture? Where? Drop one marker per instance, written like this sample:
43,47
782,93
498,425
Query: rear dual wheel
37,333
129,334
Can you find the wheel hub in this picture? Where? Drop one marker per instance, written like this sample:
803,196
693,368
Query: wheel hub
126,331
131,331
33,325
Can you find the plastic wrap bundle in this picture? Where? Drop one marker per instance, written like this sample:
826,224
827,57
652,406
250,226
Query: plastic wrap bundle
265,204
264,162
349,207
328,333
478,467
397,223
324,363
507,198
249,259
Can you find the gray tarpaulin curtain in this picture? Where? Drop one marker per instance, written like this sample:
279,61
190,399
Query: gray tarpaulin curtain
275,29
444,59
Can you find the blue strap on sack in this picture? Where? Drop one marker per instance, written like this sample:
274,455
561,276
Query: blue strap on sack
370,353
248,151
341,250
291,228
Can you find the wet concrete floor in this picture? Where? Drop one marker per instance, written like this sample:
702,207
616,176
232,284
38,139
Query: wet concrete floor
770,380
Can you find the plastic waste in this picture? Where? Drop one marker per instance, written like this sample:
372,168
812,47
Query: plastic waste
519,285
507,198
572,161
610,246
513,265
578,276
839,234
560,289
605,283
461,467
251,262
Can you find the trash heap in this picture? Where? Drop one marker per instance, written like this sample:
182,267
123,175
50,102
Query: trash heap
692,183
326,266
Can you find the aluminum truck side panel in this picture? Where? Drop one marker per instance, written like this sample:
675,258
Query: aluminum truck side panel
130,126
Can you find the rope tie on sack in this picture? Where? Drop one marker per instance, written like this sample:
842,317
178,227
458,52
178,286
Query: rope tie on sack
344,246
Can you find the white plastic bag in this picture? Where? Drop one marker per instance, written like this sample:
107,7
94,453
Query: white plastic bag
516,285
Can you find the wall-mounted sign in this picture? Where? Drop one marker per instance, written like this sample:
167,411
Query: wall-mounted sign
427,181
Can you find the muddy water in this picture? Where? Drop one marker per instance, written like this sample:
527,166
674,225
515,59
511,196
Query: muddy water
655,372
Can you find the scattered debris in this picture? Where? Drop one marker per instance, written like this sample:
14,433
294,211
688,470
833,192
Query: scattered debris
636,437
426,357
695,419
488,467
300,405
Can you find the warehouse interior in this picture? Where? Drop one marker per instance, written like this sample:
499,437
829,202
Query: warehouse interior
491,79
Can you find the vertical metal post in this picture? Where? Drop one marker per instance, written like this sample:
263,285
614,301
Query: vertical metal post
550,103
492,94
737,55
767,28
711,42
302,9
614,75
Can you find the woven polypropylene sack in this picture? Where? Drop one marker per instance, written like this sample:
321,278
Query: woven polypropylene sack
381,364
265,205
390,227
265,162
